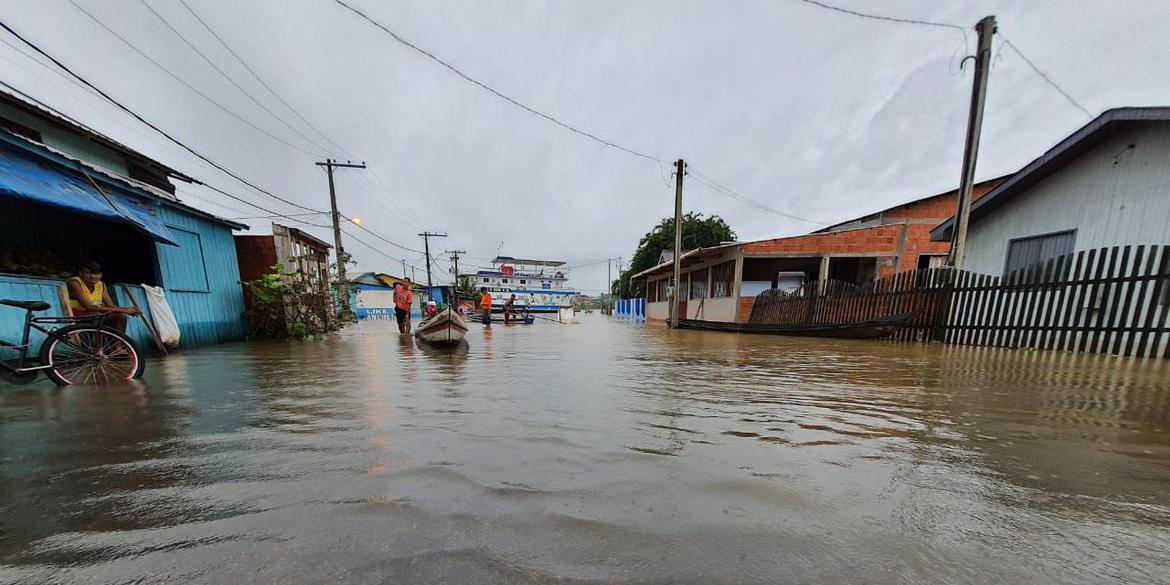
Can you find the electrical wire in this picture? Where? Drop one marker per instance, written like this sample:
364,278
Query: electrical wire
257,77
229,78
1045,76
880,17
184,83
148,123
495,91
721,189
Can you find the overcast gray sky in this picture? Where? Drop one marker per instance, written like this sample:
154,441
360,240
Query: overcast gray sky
814,113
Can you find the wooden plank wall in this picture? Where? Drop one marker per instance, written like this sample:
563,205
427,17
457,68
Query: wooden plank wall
924,294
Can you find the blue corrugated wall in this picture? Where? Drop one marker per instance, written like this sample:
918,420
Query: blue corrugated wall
202,279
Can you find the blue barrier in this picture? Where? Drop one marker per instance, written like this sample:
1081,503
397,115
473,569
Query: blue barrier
631,309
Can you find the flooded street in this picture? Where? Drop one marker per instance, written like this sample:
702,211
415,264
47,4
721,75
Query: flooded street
595,452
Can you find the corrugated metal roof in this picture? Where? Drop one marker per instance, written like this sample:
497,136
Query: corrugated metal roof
36,109
33,146
1064,152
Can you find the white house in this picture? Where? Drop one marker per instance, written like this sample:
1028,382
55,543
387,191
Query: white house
1108,184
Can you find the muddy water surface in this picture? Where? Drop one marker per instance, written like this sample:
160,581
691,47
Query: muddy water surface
598,452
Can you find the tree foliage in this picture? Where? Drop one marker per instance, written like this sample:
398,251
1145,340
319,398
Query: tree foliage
697,232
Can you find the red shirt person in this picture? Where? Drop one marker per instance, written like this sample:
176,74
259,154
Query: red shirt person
403,299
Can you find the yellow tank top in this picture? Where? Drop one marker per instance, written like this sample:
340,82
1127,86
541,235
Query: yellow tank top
95,296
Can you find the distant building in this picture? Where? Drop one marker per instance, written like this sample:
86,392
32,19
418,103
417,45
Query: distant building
72,194
299,256
1107,184
720,283
372,296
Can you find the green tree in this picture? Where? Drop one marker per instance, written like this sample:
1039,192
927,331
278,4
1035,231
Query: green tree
697,232
467,287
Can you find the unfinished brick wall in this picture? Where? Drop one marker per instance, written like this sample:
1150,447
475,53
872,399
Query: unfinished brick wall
256,255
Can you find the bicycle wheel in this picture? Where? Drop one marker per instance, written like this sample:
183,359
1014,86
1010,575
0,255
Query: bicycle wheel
87,354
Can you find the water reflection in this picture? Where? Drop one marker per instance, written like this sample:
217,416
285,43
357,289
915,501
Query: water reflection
594,452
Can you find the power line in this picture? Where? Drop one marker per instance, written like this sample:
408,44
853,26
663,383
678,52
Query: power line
721,189
392,243
1045,76
376,249
152,126
172,75
257,77
884,18
494,91
229,78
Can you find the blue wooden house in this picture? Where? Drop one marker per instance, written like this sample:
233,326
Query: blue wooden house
69,194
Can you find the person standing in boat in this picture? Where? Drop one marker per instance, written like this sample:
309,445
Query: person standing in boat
485,306
403,298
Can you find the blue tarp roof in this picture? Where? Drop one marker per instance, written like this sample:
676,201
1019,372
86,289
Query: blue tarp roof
46,184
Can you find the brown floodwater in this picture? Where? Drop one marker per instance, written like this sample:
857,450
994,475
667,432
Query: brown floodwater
598,452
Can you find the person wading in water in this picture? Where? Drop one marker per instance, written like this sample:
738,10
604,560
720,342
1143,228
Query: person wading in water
403,298
485,306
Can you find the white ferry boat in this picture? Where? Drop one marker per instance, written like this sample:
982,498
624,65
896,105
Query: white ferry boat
540,286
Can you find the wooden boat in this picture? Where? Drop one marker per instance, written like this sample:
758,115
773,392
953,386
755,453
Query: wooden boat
447,327
516,319
872,329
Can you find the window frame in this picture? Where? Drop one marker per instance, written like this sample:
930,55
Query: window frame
202,260
1037,278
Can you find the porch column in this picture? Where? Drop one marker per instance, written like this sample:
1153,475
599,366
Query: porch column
823,275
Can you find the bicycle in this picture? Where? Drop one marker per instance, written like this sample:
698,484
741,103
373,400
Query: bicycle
83,351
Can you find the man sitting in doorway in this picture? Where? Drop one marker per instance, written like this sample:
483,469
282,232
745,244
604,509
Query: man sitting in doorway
88,296
403,299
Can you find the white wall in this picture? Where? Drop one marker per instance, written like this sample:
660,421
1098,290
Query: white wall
1112,195
659,311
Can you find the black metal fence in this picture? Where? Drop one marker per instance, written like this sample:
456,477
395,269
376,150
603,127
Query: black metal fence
1110,300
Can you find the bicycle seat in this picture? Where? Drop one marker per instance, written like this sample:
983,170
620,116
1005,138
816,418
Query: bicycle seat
27,305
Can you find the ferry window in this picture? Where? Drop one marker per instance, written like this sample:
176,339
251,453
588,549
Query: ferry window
722,279
522,281
504,280
485,279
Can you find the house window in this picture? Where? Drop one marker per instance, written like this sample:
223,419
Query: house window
926,261
699,284
722,279
183,266
1032,253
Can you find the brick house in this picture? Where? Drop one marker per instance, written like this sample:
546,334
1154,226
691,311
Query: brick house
302,257
720,283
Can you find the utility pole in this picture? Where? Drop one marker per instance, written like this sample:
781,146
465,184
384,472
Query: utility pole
426,236
455,260
986,29
342,283
404,268
680,170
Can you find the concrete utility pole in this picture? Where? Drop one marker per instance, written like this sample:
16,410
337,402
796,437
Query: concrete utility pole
426,236
680,170
455,260
342,283
986,29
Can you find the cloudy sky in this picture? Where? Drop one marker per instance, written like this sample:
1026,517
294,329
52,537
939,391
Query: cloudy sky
813,113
